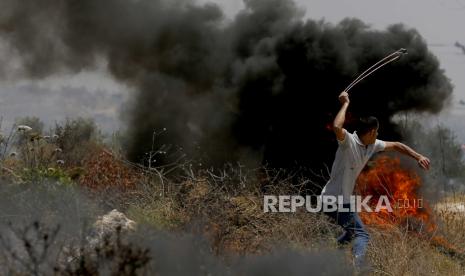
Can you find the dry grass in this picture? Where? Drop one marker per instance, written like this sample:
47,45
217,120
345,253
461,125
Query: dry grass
452,227
398,252
231,217
234,221
227,207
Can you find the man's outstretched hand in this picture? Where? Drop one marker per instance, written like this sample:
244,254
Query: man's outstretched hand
344,97
424,162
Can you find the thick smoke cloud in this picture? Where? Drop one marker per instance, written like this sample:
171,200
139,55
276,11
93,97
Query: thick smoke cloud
262,87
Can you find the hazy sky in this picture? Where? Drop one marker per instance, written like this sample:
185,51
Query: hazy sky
440,22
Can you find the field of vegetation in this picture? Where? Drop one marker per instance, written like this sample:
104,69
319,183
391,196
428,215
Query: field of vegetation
188,220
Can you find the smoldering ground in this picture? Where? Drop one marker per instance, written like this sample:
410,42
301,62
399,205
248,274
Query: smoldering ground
260,88
51,219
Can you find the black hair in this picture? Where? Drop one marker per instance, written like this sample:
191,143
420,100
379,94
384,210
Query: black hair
366,124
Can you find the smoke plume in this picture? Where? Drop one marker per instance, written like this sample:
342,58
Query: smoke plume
262,87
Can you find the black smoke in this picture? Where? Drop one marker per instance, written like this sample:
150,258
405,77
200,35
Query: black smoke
260,88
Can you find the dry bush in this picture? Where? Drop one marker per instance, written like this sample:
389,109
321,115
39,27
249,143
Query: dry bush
78,138
28,250
37,250
228,205
30,150
450,214
36,158
163,213
102,170
27,154
396,251
112,256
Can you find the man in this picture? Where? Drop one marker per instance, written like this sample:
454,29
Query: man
354,151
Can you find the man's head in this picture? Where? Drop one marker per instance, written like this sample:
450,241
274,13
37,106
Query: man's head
367,129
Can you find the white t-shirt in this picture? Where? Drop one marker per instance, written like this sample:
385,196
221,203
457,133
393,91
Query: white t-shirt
351,156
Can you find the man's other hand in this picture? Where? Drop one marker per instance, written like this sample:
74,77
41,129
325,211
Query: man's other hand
424,162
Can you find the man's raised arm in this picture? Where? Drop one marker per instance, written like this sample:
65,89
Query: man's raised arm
341,117
402,148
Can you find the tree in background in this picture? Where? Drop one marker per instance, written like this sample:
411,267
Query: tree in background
75,137
440,144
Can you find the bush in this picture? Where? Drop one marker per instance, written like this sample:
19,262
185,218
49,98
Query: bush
77,138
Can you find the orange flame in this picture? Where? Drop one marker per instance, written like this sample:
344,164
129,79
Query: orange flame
387,178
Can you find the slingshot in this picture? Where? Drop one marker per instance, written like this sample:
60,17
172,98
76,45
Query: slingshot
386,60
